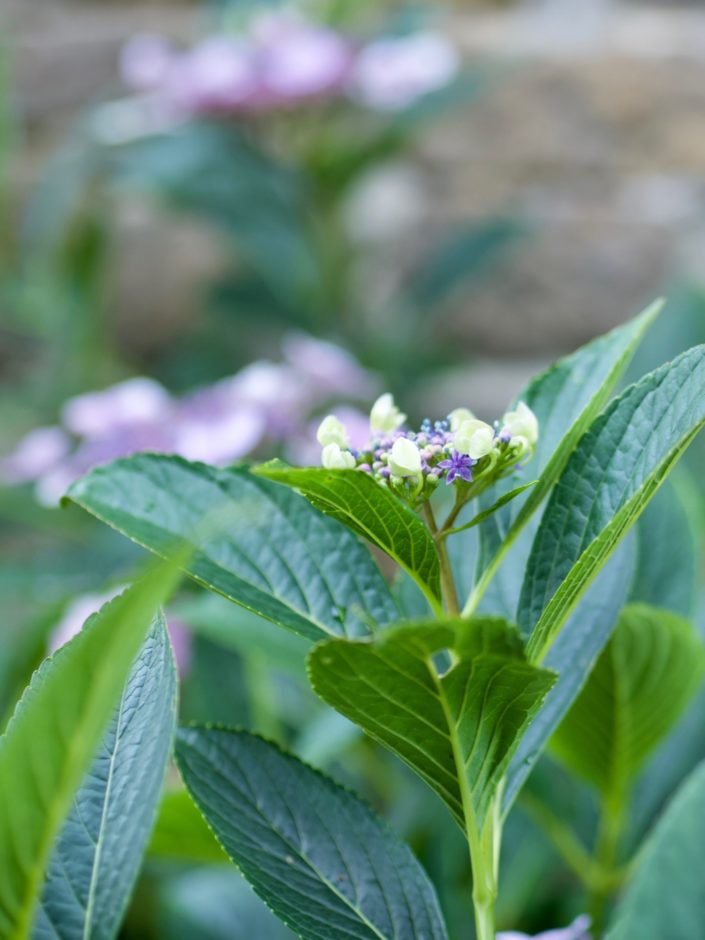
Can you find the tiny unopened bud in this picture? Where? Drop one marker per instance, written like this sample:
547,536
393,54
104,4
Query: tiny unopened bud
474,438
334,458
405,459
458,416
385,417
523,423
332,431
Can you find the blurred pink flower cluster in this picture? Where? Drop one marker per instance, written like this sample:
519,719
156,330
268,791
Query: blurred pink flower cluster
281,61
265,405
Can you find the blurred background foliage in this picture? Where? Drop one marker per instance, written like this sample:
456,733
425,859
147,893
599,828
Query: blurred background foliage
497,204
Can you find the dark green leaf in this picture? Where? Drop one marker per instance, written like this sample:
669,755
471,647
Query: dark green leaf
99,851
644,678
457,729
565,399
610,478
319,858
572,656
372,511
254,542
667,552
665,899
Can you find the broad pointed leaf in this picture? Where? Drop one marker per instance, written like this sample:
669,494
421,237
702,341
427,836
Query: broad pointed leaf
312,850
566,398
610,478
53,736
254,542
99,851
457,729
667,551
665,899
643,680
372,511
572,656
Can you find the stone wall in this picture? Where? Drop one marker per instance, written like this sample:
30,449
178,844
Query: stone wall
593,132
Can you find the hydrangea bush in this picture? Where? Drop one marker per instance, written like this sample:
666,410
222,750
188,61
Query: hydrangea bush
584,649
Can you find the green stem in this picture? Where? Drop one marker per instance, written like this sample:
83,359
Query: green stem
607,847
484,857
450,591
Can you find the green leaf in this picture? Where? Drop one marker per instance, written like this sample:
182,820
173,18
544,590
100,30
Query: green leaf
486,513
53,736
610,478
372,511
665,899
99,851
667,550
566,398
254,542
642,682
457,729
312,850
181,832
572,656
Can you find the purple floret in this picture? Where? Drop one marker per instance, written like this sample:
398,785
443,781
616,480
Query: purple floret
458,465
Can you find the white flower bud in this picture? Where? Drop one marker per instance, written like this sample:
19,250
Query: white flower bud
458,416
405,459
333,458
385,417
332,431
474,438
523,423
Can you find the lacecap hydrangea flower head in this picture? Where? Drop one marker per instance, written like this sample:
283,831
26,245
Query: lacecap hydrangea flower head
459,450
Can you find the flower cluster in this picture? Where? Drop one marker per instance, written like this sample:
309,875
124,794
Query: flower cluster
459,450
265,405
281,60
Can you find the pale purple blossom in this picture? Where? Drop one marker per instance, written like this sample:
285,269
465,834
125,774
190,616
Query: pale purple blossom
578,930
391,73
330,366
145,62
36,454
218,75
281,60
297,60
264,405
133,402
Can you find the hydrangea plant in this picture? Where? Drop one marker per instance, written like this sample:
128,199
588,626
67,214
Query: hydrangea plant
464,694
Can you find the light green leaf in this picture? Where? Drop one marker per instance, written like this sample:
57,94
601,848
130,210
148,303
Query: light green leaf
254,542
53,736
665,899
486,513
457,729
643,680
99,851
610,478
319,858
566,398
372,511
181,832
